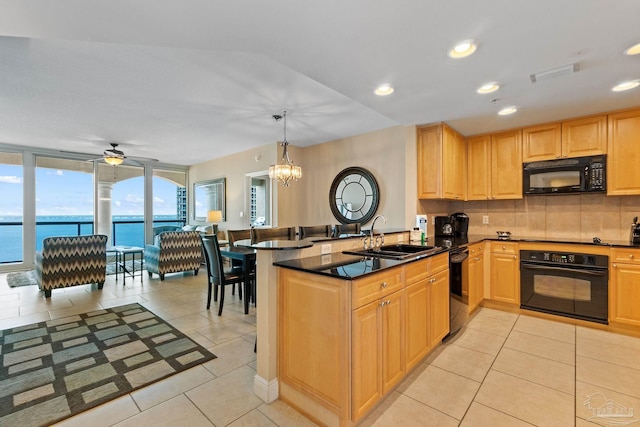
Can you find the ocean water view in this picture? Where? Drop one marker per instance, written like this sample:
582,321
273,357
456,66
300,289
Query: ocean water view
128,230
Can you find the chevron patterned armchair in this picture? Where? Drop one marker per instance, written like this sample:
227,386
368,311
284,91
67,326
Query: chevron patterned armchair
175,251
71,261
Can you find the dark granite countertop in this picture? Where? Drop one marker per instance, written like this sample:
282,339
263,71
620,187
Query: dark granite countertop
346,266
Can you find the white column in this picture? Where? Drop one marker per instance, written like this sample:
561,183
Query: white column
105,222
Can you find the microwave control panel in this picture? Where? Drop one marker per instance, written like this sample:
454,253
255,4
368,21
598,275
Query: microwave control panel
596,176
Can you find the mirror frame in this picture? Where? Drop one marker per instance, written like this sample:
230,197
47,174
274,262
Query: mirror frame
358,175
200,185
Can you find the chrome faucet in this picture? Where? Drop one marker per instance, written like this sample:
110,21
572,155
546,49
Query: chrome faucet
374,241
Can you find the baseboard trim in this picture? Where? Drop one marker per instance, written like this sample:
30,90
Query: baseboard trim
265,390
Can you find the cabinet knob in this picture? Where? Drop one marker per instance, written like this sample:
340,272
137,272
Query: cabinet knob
473,251
432,280
515,257
504,247
383,303
614,265
631,256
383,285
477,258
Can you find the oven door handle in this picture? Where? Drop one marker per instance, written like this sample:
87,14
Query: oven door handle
569,270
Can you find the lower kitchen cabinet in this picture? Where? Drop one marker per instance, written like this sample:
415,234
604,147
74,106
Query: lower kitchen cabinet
475,276
427,309
505,272
377,350
624,287
343,345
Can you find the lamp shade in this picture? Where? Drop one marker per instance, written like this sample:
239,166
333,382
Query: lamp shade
214,216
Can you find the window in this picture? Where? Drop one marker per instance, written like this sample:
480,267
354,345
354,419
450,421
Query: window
11,218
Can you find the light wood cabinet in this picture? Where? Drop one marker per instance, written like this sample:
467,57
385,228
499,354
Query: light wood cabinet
442,165
506,165
377,350
623,148
475,276
424,311
439,307
585,136
479,167
543,142
624,287
505,272
495,166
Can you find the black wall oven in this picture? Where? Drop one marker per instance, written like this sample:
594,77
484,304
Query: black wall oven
567,284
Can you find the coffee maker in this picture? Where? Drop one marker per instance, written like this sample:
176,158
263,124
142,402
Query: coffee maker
460,222
443,226
634,237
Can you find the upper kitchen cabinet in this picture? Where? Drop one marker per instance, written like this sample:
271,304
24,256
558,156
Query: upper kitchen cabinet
442,163
623,148
495,166
586,136
542,142
506,165
479,170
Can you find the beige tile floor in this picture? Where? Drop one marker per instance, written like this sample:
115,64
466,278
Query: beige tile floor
500,370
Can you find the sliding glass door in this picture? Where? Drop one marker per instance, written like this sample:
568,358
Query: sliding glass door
11,208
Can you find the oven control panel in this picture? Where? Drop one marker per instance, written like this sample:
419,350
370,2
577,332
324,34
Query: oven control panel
570,258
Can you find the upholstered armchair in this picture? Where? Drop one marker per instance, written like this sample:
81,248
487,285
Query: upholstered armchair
71,261
174,251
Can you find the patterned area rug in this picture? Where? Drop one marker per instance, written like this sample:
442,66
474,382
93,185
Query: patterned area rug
53,370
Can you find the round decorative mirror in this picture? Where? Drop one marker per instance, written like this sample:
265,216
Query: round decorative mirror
354,196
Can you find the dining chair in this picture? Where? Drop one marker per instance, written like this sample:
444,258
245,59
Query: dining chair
315,231
233,236
341,229
280,233
217,276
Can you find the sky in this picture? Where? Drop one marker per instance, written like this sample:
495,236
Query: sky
65,192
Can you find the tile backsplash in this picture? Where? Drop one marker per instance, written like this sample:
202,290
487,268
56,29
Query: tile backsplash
577,216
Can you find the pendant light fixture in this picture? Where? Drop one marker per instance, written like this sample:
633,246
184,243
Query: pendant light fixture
285,171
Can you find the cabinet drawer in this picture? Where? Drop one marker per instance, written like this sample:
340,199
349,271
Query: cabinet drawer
476,250
418,270
625,255
375,286
504,247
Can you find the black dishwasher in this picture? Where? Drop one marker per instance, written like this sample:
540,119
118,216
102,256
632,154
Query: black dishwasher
459,294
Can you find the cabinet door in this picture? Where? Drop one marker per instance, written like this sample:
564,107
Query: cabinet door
429,152
506,165
505,283
625,294
479,167
366,358
439,307
623,148
417,322
393,365
541,142
454,167
475,277
584,137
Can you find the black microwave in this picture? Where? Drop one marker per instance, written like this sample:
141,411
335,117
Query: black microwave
562,176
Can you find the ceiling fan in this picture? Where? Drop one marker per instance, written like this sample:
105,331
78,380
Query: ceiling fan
115,157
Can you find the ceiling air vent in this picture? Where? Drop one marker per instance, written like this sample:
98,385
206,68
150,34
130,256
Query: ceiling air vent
555,72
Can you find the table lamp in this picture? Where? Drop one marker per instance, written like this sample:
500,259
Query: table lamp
214,217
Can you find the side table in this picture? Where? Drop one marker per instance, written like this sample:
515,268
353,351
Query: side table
121,261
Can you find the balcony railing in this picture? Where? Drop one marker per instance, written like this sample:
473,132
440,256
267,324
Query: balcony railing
124,232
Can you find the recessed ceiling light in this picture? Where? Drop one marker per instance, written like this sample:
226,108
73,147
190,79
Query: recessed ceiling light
626,85
463,49
633,50
507,110
383,90
488,87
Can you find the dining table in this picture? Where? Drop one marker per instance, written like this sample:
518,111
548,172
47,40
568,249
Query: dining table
247,257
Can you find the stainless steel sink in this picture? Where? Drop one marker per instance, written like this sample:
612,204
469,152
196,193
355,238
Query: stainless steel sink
397,251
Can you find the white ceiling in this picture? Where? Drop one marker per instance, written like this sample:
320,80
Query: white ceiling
191,80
